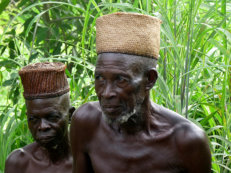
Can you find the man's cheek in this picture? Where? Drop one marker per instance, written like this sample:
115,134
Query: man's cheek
32,130
60,130
137,81
130,104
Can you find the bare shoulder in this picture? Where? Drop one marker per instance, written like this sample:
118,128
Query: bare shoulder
18,159
186,133
14,159
172,117
87,114
85,120
190,141
189,136
193,148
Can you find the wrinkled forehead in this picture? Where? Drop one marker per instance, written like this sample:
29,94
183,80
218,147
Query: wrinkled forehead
111,59
124,62
45,102
115,60
58,104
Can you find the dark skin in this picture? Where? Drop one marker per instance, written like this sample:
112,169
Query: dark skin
126,132
48,122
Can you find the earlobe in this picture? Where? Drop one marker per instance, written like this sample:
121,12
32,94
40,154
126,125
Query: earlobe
152,76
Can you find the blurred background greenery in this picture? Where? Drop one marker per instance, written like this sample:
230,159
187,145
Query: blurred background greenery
194,65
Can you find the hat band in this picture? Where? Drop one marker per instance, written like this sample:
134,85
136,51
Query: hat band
45,95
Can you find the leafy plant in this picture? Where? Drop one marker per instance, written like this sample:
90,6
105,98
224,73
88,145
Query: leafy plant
194,65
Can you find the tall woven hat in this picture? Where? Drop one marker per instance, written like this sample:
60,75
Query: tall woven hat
44,80
128,33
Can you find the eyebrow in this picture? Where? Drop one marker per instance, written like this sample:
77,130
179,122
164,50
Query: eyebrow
103,63
50,113
108,65
115,71
118,73
28,114
55,113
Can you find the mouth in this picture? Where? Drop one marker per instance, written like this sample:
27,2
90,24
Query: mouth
111,109
45,139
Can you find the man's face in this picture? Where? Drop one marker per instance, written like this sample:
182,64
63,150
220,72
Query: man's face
47,119
120,89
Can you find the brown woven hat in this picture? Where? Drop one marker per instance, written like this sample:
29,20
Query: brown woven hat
44,80
128,33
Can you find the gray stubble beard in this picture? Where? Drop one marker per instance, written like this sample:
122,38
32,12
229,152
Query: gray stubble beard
124,116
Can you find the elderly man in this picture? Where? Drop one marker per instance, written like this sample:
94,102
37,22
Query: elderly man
46,93
125,132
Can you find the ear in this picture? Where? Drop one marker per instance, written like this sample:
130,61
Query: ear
152,76
71,111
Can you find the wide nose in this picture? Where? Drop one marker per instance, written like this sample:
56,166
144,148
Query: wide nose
109,91
43,126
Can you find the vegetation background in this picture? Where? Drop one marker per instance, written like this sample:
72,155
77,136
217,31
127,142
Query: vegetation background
194,65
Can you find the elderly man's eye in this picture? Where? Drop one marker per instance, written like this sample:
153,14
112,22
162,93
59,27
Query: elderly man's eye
33,119
122,81
99,78
53,118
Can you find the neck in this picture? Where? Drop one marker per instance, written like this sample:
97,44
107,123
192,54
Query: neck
58,152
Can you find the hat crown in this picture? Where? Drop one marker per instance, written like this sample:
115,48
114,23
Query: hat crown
128,33
44,80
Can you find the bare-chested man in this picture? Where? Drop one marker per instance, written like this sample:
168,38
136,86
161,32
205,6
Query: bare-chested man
125,132
46,93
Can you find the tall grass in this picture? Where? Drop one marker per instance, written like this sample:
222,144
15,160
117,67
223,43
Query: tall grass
194,64
14,132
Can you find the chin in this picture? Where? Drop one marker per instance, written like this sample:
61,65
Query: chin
49,142
119,118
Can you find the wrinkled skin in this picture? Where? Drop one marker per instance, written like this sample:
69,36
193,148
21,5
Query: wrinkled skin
48,122
119,91
127,133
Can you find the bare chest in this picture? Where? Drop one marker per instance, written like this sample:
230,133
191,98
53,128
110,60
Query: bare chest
133,155
38,166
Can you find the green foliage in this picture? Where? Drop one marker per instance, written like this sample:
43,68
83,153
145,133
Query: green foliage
194,65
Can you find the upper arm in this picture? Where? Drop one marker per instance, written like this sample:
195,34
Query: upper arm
83,126
193,147
78,145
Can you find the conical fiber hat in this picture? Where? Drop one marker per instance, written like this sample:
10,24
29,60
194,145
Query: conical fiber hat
128,33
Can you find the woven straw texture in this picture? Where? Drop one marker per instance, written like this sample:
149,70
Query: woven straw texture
44,80
128,33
